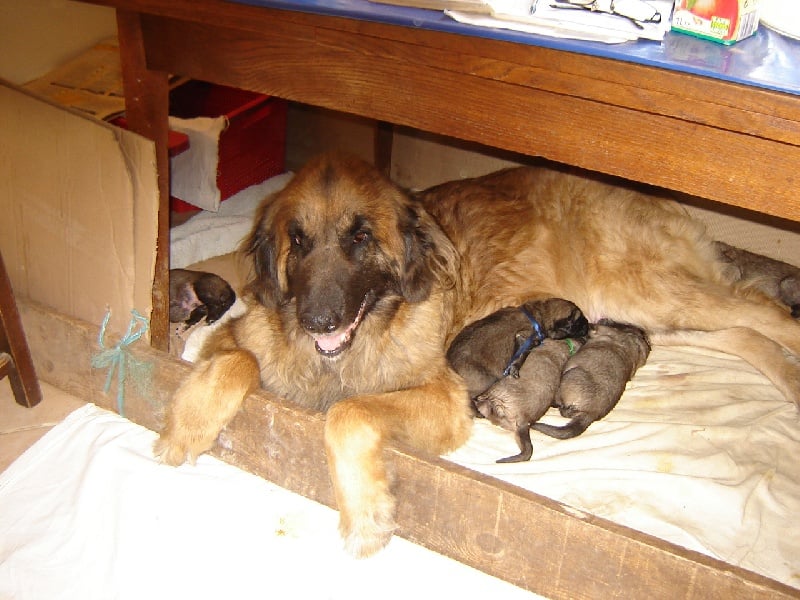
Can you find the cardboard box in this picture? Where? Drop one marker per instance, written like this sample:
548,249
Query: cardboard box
80,203
723,21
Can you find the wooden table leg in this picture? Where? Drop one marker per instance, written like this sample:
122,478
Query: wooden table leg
146,108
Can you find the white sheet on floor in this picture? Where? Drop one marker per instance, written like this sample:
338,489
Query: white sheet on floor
87,514
701,451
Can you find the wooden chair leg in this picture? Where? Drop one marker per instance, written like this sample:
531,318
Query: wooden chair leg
15,356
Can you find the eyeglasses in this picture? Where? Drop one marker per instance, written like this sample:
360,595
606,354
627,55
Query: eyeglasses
636,11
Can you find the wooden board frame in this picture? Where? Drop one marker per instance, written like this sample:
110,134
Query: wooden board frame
524,538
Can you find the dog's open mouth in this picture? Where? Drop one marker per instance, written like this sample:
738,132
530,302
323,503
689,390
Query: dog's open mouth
332,344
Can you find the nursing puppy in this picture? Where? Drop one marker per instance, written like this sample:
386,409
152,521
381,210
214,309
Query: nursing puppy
775,278
194,295
358,289
595,378
516,403
497,345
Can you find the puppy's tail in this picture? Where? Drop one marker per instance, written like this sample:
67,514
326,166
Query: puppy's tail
574,428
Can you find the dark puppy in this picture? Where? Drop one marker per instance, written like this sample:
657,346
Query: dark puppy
516,403
498,344
777,279
594,379
197,294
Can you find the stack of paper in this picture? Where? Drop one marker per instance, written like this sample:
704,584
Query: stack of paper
593,20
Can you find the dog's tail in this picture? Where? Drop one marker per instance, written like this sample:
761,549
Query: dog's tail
574,428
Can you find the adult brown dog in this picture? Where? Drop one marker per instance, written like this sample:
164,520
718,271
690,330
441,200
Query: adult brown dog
358,289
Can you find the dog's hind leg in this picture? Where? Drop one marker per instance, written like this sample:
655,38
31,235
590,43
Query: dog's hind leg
780,366
204,404
739,321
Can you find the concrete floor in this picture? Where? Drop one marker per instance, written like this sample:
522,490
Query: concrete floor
21,427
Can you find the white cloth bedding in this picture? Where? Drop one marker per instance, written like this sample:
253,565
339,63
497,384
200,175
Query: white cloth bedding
208,234
701,451
88,514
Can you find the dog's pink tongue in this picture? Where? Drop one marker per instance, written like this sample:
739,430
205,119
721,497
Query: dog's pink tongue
329,343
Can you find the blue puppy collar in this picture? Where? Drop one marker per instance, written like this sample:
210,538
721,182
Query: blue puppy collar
534,339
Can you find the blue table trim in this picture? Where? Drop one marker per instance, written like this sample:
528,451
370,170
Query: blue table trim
768,59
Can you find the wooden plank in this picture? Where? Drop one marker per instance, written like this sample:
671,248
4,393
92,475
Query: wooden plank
531,541
380,79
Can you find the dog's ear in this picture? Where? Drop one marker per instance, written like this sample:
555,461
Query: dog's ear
430,257
267,280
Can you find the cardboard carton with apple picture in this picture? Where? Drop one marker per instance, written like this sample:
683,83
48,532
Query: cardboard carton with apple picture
723,21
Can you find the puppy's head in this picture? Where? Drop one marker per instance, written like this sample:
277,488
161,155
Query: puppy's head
344,244
559,318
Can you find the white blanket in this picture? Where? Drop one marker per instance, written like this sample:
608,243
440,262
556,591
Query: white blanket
88,514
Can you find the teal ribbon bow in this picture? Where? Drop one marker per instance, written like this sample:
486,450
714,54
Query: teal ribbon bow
120,359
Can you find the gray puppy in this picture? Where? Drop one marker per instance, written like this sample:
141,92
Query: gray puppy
777,279
517,403
594,379
497,345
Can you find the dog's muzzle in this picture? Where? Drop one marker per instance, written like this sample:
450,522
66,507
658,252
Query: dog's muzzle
332,344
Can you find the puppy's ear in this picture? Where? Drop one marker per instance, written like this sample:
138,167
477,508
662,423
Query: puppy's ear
267,279
430,257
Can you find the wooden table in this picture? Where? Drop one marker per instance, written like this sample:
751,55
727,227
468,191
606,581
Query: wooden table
733,142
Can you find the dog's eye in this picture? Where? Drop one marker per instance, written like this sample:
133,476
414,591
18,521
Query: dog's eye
297,239
360,237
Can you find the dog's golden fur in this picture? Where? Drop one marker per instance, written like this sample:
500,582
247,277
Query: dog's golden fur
358,289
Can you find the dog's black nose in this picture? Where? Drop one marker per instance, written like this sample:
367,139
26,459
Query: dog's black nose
320,322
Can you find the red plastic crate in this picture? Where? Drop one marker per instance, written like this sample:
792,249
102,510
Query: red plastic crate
252,147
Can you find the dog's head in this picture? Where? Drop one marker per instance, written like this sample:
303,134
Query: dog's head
344,243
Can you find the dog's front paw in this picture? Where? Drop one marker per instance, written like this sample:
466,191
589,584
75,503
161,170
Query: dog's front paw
204,404
354,445
171,451
368,530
